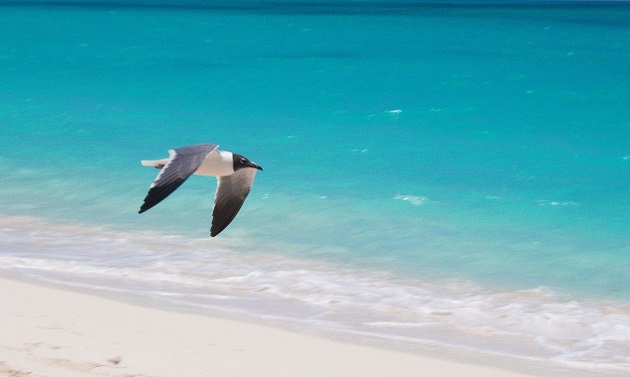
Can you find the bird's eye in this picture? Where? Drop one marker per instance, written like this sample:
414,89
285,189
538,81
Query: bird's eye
243,160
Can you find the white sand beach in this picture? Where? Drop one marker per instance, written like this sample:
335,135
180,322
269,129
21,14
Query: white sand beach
46,331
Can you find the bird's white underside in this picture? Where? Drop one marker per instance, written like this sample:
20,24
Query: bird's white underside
217,164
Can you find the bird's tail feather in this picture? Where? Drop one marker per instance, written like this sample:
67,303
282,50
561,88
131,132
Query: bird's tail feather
158,164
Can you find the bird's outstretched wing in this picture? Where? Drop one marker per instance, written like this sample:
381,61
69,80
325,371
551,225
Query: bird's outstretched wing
181,164
231,193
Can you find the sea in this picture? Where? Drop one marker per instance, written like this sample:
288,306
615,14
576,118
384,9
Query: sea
443,175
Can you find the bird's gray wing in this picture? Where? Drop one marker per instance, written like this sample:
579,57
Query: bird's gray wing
181,164
231,193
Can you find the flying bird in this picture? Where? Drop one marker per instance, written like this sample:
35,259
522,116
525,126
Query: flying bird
235,175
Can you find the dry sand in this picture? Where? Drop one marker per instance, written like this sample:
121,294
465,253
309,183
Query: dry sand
46,331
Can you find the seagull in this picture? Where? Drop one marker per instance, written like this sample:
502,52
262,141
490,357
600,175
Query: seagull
235,175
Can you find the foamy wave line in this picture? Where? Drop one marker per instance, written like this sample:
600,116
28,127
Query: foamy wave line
534,324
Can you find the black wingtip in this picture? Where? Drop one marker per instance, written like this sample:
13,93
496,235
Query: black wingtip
144,208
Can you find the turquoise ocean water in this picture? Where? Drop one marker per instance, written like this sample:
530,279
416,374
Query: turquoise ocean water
440,174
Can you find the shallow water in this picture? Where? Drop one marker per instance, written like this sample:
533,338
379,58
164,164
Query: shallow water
447,174
535,325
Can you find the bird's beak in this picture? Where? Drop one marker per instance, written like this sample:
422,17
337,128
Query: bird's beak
255,166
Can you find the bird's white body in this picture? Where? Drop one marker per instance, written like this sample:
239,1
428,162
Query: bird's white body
217,164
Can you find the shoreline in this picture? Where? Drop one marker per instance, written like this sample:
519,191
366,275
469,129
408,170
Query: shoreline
48,331
60,331
114,272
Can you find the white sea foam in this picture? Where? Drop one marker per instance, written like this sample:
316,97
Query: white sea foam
554,203
535,324
413,200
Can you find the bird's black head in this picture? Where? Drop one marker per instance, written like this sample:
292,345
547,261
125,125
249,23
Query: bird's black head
243,162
